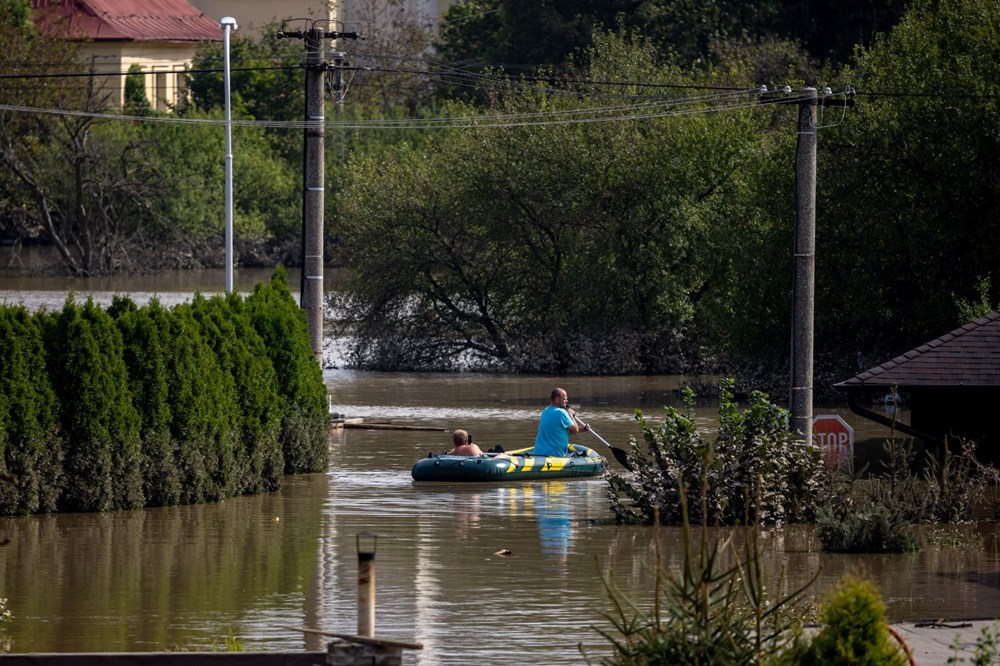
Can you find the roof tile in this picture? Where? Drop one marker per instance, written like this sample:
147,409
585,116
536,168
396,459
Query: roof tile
132,20
969,356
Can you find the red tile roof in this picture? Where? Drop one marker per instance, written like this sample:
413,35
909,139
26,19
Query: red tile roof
968,357
135,20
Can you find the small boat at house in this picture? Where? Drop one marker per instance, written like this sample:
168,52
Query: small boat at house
521,465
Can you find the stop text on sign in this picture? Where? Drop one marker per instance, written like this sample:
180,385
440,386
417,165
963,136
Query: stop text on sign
834,437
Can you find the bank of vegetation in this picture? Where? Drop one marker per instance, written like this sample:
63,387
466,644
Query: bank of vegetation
482,223
720,606
135,406
753,472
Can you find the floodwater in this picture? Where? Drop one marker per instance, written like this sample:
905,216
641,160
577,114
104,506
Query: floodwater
193,577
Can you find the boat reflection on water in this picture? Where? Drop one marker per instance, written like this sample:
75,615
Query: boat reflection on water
549,504
554,513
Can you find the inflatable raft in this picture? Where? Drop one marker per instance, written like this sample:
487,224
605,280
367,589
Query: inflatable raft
522,465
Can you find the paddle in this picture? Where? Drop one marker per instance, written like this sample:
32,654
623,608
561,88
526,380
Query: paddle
619,454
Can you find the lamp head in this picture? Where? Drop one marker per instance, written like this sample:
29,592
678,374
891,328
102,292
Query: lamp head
228,22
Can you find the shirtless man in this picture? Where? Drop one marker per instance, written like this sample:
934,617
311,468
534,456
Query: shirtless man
463,447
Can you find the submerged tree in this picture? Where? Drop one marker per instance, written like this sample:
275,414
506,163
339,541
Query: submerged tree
535,242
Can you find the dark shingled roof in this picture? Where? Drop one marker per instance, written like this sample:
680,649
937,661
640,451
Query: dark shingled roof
136,20
968,357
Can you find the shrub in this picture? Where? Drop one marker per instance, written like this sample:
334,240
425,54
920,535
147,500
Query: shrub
855,629
102,462
203,410
711,613
754,466
877,513
143,354
241,353
30,445
282,326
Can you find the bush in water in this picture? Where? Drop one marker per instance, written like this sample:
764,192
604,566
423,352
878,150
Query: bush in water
283,327
204,419
30,446
718,609
102,464
114,410
147,369
241,353
755,470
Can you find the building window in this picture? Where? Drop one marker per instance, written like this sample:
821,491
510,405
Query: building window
161,92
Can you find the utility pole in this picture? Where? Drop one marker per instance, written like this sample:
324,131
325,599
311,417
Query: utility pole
314,175
804,282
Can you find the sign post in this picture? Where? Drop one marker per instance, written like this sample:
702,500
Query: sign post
834,438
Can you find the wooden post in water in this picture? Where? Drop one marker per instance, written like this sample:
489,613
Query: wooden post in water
366,583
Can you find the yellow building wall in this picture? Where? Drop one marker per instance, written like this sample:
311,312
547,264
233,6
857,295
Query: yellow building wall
162,63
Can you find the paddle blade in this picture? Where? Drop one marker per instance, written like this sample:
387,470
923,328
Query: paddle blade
622,457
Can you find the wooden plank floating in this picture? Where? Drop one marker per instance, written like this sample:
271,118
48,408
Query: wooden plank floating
393,426
361,424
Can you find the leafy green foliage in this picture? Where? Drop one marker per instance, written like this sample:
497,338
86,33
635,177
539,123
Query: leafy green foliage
144,356
258,462
717,610
515,34
631,206
986,650
282,327
877,512
266,189
101,426
923,183
754,471
136,102
30,444
154,406
203,409
855,629
266,77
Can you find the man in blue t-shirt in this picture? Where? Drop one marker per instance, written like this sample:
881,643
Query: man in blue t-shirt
557,423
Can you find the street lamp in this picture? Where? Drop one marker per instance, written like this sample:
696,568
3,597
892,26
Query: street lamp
228,23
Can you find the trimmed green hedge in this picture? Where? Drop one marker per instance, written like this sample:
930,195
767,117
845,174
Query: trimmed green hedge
150,406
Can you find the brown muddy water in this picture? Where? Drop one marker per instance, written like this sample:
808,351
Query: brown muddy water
189,578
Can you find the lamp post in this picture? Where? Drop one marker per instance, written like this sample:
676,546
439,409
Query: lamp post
228,23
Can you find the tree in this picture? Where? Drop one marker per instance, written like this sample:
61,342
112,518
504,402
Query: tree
79,184
282,326
519,35
84,359
258,459
30,439
190,160
267,78
498,236
910,185
136,102
143,353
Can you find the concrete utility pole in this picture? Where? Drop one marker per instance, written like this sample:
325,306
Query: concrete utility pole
803,288
313,192
314,174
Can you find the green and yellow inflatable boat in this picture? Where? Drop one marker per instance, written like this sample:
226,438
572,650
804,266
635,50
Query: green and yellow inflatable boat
522,465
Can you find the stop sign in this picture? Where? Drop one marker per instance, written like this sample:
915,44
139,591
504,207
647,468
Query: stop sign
834,438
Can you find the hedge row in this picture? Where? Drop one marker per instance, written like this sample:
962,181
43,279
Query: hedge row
150,406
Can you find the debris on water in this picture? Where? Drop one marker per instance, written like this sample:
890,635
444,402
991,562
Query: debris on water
503,553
